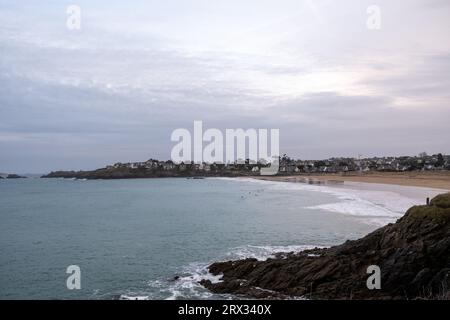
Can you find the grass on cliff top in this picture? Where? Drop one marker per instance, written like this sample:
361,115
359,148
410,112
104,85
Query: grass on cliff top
438,210
441,201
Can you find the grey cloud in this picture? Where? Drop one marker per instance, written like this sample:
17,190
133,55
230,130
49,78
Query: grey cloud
115,91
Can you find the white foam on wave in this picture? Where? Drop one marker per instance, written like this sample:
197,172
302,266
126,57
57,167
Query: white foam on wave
187,285
263,253
374,204
127,297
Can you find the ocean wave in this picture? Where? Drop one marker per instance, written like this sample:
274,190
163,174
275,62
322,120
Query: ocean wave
128,297
184,285
263,253
364,210
187,285
375,207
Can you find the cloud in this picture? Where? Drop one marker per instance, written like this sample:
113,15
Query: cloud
115,90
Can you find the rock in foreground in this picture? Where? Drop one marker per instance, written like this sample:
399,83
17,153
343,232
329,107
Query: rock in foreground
413,255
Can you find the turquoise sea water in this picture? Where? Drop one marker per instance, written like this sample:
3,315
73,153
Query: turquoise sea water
132,237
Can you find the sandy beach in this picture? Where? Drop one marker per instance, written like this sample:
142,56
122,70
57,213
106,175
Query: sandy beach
435,180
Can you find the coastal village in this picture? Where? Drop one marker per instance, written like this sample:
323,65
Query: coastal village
287,166
422,162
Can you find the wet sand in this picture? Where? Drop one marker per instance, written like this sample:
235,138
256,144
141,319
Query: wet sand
435,180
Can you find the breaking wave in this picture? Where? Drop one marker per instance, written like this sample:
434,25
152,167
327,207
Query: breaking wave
186,285
371,206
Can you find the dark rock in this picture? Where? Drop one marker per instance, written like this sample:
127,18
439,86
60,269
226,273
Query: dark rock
413,255
14,176
143,172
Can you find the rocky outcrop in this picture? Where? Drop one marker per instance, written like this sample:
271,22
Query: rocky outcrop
134,173
413,255
14,176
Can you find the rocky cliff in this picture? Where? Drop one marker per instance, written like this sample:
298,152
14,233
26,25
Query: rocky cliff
413,255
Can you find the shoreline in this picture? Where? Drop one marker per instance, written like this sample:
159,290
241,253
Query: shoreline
416,262
411,179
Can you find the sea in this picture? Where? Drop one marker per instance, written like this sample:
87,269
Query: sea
154,238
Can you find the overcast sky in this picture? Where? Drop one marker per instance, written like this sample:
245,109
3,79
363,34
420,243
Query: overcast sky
136,70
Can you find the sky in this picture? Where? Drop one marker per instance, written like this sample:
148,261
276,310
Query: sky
115,89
